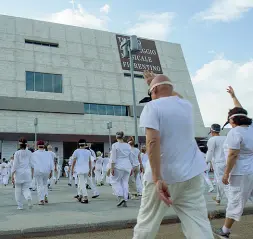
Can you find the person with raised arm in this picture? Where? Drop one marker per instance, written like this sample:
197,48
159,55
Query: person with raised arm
238,175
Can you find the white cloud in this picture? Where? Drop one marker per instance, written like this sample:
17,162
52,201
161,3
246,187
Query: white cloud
105,9
225,10
153,25
210,83
79,17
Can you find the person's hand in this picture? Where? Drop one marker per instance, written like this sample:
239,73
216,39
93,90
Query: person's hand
148,76
112,172
142,169
13,180
225,179
231,91
50,175
163,192
89,174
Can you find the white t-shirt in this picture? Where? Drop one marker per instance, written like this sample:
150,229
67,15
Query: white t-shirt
122,157
135,153
82,156
181,158
215,151
105,163
42,162
4,168
22,166
99,163
241,138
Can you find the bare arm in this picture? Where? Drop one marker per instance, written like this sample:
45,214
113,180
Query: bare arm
232,157
73,164
236,102
153,149
209,154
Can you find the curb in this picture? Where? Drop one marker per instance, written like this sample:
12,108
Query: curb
96,227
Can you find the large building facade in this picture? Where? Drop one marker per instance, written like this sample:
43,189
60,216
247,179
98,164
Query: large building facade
74,81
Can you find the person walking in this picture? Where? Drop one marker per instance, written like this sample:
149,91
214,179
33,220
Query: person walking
22,173
173,176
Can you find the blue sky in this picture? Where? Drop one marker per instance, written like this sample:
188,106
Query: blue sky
214,34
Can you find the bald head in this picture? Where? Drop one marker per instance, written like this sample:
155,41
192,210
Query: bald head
161,86
49,147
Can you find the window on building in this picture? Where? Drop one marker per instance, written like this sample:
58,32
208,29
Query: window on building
100,109
43,82
41,43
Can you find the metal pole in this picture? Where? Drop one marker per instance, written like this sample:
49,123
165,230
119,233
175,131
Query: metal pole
134,98
35,133
35,137
110,141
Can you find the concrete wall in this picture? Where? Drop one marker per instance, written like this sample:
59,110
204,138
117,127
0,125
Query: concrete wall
90,64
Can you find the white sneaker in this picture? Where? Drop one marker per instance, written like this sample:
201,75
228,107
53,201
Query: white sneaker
30,205
211,189
20,208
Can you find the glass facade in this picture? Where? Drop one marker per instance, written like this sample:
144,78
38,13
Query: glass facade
43,82
99,109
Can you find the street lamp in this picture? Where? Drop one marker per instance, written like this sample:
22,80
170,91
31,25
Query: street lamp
109,126
132,47
35,132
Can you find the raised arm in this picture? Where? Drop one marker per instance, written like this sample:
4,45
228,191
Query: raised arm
236,102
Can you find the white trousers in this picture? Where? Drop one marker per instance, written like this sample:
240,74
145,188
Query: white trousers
42,186
139,183
92,186
22,189
70,177
82,181
34,183
66,173
133,180
189,204
76,178
219,169
240,190
207,180
98,176
120,183
58,172
5,179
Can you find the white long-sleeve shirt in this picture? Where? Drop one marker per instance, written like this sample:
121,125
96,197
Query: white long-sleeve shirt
215,153
22,166
42,162
122,157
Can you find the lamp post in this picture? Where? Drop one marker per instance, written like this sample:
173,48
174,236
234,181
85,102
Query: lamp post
35,132
132,47
109,126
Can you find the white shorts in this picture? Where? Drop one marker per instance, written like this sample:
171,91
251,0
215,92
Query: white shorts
240,190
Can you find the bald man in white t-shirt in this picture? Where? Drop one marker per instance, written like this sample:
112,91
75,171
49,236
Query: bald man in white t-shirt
174,175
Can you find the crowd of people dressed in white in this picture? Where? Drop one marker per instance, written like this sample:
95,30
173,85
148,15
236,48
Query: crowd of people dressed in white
170,173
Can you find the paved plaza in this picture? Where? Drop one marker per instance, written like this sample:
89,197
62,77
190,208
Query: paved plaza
242,230
64,214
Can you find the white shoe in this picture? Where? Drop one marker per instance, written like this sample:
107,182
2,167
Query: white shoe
211,189
30,205
20,208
